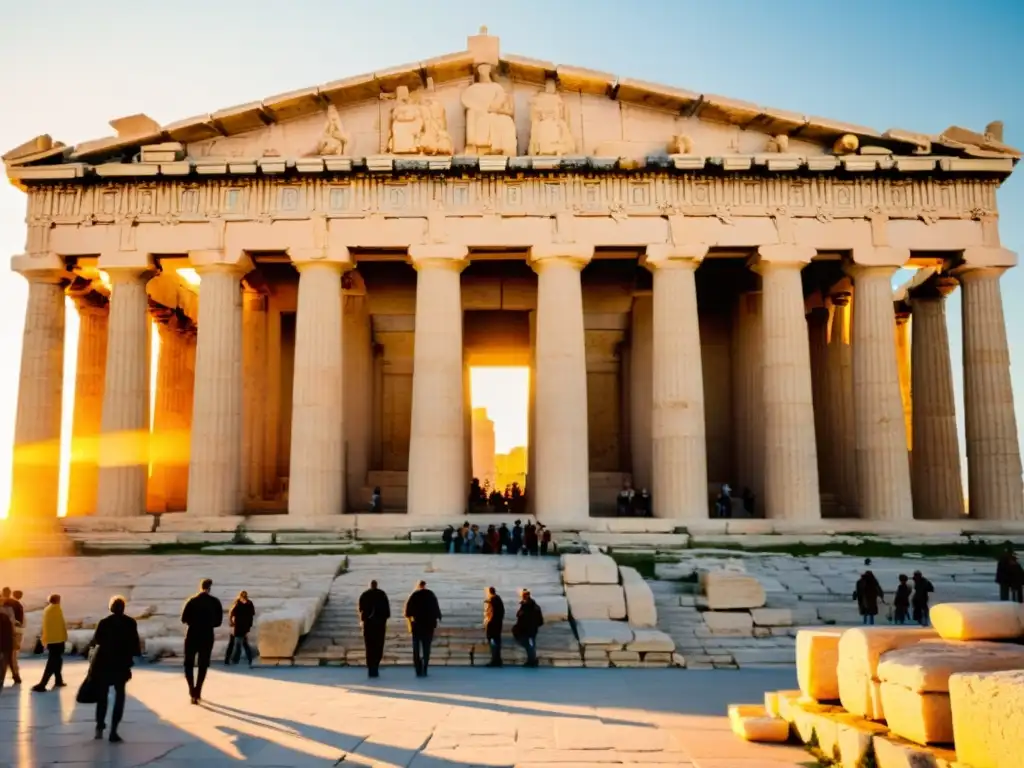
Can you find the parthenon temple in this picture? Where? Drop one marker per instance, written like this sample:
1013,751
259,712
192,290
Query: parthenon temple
701,287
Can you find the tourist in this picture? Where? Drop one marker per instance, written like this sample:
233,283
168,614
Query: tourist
202,614
901,602
748,502
723,504
624,502
117,644
374,612
545,540
493,541
867,593
919,601
504,538
494,617
1010,576
478,539
376,504
422,614
448,539
16,612
54,637
529,620
530,539
469,544
644,503
241,618
6,644
517,538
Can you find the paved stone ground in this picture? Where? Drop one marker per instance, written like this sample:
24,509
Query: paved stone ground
457,718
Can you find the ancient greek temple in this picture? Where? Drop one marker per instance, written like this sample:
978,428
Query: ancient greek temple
701,287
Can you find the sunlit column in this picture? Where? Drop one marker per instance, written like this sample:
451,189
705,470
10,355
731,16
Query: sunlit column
993,451
883,464
842,449
90,373
562,488
317,481
790,454
170,445
903,369
437,445
214,477
641,347
679,466
36,467
254,391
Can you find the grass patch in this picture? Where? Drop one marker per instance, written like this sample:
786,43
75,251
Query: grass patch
641,561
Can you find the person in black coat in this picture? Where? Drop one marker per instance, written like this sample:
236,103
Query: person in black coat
517,539
374,612
241,617
919,600
529,620
117,644
494,617
202,614
423,615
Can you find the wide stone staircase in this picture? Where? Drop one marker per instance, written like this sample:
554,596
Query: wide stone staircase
459,582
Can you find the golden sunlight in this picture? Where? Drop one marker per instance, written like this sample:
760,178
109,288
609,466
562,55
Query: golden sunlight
189,275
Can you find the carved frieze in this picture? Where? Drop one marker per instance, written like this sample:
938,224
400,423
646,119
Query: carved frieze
549,124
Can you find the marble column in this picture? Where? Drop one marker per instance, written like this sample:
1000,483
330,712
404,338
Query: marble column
993,452
935,467
843,448
36,466
748,394
317,481
790,454
562,488
357,345
531,418
170,444
214,474
124,443
817,331
903,368
437,441
254,392
883,465
679,467
90,372
641,346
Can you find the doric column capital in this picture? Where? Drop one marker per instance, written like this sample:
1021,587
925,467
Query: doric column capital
571,254
969,274
935,289
986,256
667,256
219,260
40,268
439,256
862,271
881,255
338,255
784,255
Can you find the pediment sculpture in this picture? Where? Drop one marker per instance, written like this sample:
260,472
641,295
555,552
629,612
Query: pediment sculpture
490,127
419,124
549,125
334,140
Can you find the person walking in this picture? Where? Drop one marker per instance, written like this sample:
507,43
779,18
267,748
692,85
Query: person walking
494,617
867,593
374,612
6,644
16,612
423,615
117,644
241,618
529,620
901,602
54,636
919,601
202,614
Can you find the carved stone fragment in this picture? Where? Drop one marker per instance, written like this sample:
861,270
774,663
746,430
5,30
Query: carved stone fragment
549,126
680,144
334,140
778,144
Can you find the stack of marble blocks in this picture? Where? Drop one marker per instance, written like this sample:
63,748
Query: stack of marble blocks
952,695
614,612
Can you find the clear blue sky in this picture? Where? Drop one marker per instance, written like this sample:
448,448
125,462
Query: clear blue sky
67,68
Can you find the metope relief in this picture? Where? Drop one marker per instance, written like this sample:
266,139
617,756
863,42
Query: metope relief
419,124
549,124
334,140
490,123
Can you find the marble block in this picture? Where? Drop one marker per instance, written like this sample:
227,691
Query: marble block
601,632
727,590
650,640
927,666
640,608
752,723
817,657
988,718
978,621
589,569
596,601
860,650
280,632
738,622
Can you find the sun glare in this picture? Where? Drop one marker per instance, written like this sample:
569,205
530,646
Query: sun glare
505,393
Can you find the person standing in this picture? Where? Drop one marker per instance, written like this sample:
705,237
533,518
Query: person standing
919,602
241,618
202,614
117,644
6,644
517,539
901,602
16,611
545,540
504,538
530,540
423,615
529,620
446,539
867,593
374,612
54,636
494,617
1009,576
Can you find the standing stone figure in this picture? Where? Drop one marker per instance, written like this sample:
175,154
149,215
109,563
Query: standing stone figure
334,140
374,612
490,128
406,125
435,139
549,126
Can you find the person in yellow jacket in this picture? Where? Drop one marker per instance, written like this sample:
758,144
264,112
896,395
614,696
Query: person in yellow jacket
55,635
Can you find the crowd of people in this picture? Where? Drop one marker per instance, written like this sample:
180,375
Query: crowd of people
531,539
484,499
909,602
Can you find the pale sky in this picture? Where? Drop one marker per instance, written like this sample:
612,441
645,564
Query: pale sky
68,68
505,393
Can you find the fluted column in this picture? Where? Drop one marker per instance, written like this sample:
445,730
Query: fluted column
36,466
993,451
90,372
254,391
437,442
790,459
903,368
883,465
358,374
316,485
817,332
748,393
679,466
842,450
124,442
640,372
935,465
563,470
170,443
214,473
